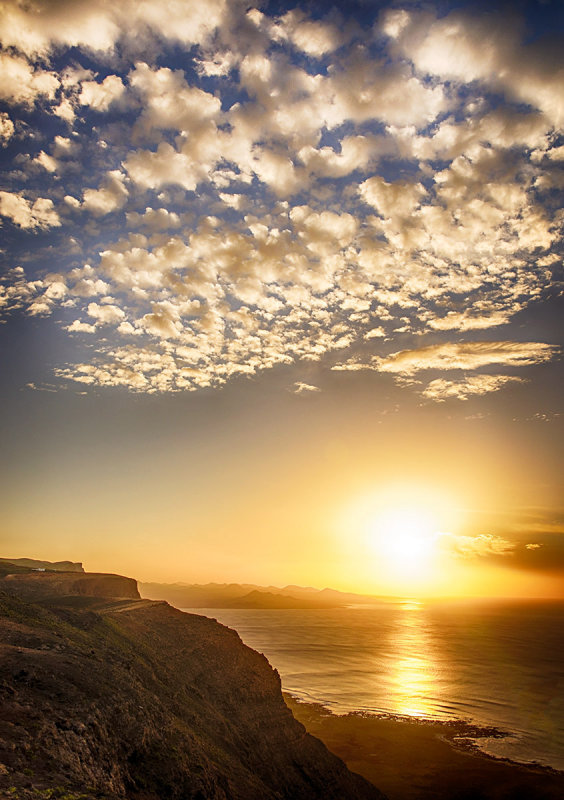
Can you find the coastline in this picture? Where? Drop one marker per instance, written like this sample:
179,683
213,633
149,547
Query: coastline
424,759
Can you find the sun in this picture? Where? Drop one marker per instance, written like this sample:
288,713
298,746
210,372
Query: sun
394,538
405,540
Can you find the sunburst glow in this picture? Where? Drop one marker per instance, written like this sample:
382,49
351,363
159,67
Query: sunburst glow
405,539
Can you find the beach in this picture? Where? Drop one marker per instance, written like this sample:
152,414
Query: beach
425,760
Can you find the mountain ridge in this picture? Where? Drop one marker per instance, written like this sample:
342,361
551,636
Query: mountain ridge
236,595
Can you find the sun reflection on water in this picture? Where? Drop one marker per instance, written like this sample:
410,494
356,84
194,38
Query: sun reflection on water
413,668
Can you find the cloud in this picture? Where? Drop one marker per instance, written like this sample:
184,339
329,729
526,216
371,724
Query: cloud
398,199
105,314
46,161
375,333
441,389
6,128
466,355
16,291
456,356
27,214
100,96
80,327
298,188
21,83
37,28
111,195
511,550
465,48
481,546
159,219
316,38
304,388
169,102
165,167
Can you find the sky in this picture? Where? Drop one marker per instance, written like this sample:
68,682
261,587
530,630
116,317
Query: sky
281,292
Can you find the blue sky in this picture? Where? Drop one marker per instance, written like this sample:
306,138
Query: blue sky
320,203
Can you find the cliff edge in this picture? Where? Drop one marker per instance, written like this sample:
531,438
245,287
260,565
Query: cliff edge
37,586
36,564
127,698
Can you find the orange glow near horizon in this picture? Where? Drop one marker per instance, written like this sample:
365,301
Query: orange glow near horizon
306,510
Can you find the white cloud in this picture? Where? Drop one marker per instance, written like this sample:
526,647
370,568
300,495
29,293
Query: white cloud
37,28
487,48
6,128
80,327
398,199
169,102
234,277
374,333
110,196
304,388
105,314
159,219
165,167
466,355
100,96
65,110
441,389
26,214
21,83
316,38
46,161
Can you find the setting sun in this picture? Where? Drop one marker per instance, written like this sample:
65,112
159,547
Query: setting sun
405,539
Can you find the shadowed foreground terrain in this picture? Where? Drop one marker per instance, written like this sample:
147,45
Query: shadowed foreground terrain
425,760
131,698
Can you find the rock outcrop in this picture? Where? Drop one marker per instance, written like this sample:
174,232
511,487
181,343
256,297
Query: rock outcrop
34,563
36,586
132,698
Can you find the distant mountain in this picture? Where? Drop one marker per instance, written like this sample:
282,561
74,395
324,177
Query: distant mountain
260,599
242,595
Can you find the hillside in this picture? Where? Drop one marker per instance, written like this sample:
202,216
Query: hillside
131,698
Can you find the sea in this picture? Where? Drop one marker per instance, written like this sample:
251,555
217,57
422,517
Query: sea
495,664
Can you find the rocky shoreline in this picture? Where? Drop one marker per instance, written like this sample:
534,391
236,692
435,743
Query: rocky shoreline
426,760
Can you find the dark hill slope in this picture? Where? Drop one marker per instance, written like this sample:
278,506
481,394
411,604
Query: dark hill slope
134,698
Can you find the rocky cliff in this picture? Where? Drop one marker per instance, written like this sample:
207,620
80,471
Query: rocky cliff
34,563
132,698
42,585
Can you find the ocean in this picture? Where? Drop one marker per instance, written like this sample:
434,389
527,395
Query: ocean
496,664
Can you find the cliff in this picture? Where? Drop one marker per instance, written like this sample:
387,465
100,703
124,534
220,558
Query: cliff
132,698
33,563
42,585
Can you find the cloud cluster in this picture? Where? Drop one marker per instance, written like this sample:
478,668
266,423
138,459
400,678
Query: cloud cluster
286,189
465,355
539,552
457,356
24,213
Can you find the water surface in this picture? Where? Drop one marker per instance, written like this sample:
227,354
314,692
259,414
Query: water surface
492,663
